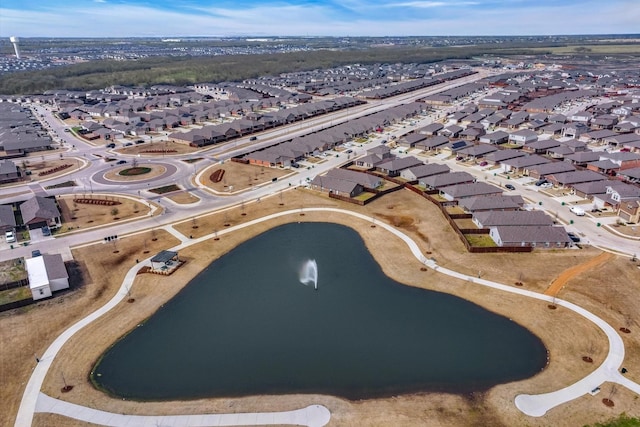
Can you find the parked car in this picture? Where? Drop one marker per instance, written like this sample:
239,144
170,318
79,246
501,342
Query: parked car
349,151
509,187
541,181
112,145
121,162
577,210
547,185
484,163
139,141
10,236
253,138
127,144
35,253
574,237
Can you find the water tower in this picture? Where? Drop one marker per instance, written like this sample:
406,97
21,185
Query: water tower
14,41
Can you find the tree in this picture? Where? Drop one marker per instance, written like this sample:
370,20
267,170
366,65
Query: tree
114,211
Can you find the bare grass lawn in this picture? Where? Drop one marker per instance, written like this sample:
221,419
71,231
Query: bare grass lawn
37,167
567,336
240,176
183,198
82,215
158,148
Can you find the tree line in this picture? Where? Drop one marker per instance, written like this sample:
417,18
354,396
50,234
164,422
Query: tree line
189,70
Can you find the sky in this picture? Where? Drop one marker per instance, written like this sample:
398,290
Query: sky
175,18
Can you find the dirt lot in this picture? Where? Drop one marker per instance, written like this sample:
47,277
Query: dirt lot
158,148
183,197
83,215
37,166
567,336
240,177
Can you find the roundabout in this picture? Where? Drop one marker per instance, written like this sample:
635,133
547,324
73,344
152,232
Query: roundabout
147,172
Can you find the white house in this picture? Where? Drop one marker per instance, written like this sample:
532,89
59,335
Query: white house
46,274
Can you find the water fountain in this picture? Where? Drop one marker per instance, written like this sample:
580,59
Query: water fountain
309,273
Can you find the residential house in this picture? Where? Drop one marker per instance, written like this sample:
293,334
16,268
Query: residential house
623,160
367,181
486,219
523,137
582,158
422,171
491,203
452,131
475,189
434,143
621,139
521,164
541,171
541,146
46,274
629,211
337,186
9,172
569,179
589,190
477,151
410,140
499,156
435,182
393,167
497,137
574,130
538,236
616,193
630,175
430,129
39,212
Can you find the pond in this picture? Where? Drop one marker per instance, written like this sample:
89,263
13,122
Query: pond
247,325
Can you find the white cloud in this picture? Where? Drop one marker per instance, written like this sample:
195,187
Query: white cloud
432,4
118,20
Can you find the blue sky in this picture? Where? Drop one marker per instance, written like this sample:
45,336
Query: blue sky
164,18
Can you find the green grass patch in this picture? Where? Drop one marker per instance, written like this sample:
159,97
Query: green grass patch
364,196
165,189
480,240
197,159
138,170
61,185
15,294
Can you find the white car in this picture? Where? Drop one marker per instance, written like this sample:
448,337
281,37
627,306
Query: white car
546,185
10,236
576,210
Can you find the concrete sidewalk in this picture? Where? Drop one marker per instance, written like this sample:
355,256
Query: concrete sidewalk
311,416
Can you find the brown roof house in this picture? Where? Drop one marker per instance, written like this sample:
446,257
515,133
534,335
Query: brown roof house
337,186
539,236
40,212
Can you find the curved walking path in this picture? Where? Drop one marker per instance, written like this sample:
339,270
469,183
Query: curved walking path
570,273
312,416
534,405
